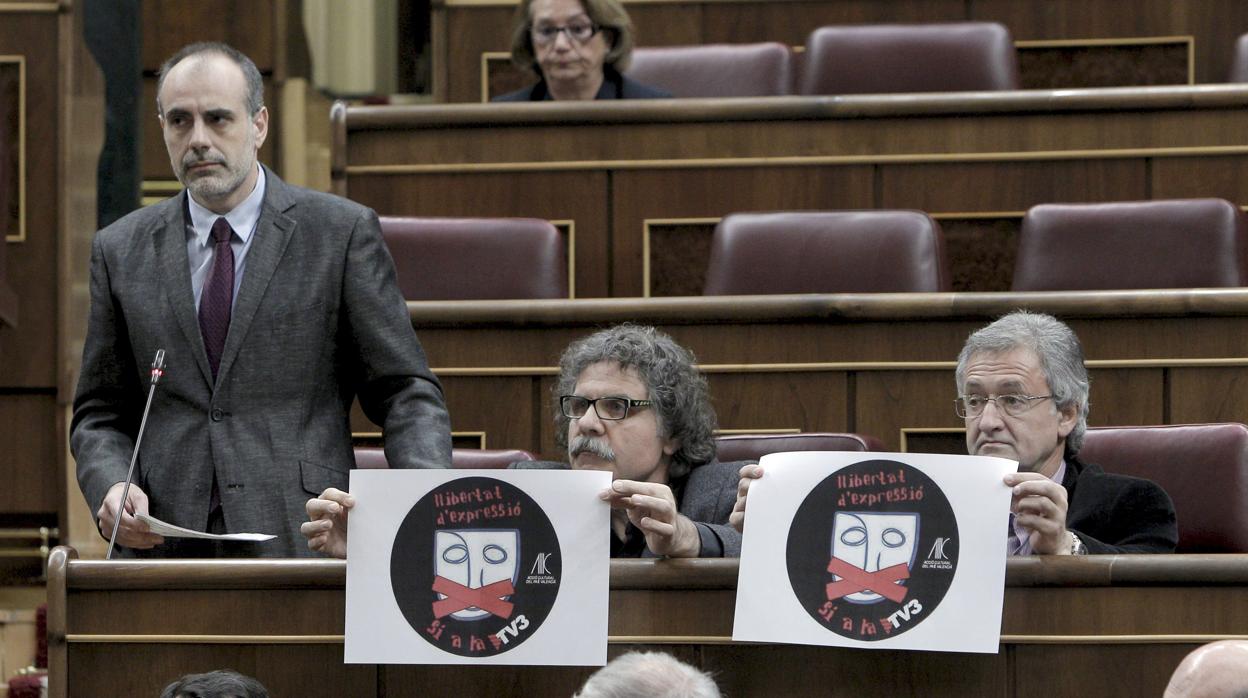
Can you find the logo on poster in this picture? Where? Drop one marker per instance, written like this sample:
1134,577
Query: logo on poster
852,548
456,562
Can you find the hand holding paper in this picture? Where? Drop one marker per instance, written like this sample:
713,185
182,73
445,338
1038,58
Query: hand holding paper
651,507
133,532
1039,504
326,529
749,474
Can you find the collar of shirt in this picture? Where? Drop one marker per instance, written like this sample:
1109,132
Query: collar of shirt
1020,541
242,219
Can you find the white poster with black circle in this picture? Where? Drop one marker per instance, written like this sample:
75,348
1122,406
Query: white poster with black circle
478,567
875,550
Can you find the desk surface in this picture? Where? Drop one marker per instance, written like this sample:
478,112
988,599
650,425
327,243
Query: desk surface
1115,623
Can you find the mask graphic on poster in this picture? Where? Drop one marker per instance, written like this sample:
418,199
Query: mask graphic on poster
475,573
872,549
871,555
476,566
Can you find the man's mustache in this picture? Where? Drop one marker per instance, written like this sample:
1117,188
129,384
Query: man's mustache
192,160
589,444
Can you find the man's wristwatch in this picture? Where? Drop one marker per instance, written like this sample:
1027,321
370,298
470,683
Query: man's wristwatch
1076,546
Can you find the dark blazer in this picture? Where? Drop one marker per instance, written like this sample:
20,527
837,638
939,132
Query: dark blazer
318,320
706,497
1118,513
614,86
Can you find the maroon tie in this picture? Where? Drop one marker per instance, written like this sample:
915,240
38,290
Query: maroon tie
218,295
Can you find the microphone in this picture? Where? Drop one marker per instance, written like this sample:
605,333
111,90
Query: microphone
158,370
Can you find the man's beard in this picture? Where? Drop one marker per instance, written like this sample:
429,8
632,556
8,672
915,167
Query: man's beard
217,185
589,444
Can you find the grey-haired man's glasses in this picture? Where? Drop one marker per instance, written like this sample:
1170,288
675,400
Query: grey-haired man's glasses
613,408
972,406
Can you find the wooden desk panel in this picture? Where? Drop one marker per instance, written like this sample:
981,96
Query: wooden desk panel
639,180
1118,622
876,364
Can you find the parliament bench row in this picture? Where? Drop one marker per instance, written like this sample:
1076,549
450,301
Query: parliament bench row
1203,467
850,59
1189,243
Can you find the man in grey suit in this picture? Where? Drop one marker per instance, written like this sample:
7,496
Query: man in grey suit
276,307
629,400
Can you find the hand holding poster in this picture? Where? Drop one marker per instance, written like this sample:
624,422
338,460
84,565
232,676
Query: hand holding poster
491,567
890,550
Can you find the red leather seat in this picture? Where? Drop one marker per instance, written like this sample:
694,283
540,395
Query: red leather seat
1179,243
476,258
884,58
715,70
370,457
1203,467
826,252
755,446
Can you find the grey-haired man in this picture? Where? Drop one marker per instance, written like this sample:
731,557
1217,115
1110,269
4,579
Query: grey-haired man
1023,395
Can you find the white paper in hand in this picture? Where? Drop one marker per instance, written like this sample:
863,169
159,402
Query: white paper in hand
478,567
168,530
875,550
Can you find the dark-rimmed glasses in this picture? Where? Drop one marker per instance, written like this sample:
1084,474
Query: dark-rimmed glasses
612,408
578,32
972,406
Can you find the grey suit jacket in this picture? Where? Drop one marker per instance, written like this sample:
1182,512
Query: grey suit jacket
318,319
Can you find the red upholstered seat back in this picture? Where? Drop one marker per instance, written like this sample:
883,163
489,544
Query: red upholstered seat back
477,258
755,446
1203,467
826,252
1179,243
715,70
883,58
369,457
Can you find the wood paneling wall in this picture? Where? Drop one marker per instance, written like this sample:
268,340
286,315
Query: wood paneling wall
638,179
881,365
61,95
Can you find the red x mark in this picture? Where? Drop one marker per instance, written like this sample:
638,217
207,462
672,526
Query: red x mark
855,579
458,597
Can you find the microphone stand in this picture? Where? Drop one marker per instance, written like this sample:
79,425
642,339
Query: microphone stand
158,370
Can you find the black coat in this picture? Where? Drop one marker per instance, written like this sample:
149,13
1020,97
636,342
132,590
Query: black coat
614,86
1118,514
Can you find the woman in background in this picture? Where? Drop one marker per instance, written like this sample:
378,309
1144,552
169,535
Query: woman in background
579,49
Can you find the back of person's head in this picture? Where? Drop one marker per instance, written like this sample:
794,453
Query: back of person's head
215,684
649,675
1216,670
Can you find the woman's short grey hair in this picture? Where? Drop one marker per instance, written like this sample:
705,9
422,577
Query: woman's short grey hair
255,84
649,674
1060,354
610,17
678,389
